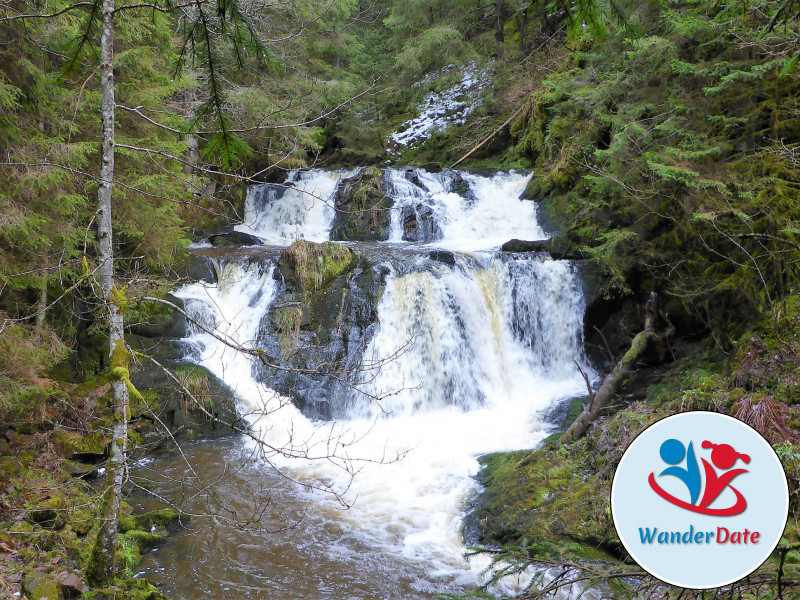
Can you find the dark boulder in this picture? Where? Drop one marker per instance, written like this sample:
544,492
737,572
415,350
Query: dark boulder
168,400
322,335
197,267
165,323
443,256
559,247
232,239
419,224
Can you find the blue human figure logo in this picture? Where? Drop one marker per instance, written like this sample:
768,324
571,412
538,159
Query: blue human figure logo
672,453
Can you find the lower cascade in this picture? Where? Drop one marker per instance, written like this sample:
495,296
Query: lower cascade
468,351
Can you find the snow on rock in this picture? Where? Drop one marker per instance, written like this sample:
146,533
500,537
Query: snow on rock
439,110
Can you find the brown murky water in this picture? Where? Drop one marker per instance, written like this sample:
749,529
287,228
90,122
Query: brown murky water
258,535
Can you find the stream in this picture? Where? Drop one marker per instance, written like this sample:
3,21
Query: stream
366,496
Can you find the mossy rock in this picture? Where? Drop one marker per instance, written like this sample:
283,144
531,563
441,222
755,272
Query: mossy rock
133,544
130,589
41,586
544,496
78,469
364,205
141,589
79,546
126,523
311,266
80,521
48,513
21,527
77,446
164,517
145,540
10,466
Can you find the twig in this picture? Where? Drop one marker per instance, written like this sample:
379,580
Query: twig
608,348
586,379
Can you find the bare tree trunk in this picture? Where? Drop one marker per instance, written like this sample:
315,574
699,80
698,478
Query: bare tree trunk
480,145
103,562
641,342
192,144
41,306
521,18
500,23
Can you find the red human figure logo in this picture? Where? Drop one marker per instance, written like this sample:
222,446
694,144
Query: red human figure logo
724,457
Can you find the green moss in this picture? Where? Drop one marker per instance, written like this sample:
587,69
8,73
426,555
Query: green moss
133,544
41,586
48,513
126,523
123,374
21,527
288,320
164,517
313,266
545,497
131,589
364,206
69,443
10,466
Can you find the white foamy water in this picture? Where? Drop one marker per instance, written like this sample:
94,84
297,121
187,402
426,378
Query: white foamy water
232,310
468,383
490,214
479,350
300,208
475,336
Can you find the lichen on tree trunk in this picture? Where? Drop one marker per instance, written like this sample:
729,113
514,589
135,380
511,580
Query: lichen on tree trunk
102,566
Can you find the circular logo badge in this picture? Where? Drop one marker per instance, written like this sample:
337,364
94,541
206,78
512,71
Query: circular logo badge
699,500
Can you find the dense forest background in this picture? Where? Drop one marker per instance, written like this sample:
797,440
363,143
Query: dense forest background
664,138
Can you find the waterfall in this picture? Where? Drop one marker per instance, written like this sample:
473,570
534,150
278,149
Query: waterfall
233,309
473,336
300,208
465,357
471,212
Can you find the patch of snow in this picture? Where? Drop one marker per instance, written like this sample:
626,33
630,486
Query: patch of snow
441,110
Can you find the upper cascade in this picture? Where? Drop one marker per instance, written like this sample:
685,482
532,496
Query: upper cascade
456,210
300,208
466,211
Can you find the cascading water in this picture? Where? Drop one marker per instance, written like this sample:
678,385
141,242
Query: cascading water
300,208
474,335
465,358
471,212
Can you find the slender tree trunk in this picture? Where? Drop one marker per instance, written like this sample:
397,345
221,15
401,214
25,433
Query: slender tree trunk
102,567
500,23
41,306
522,24
192,144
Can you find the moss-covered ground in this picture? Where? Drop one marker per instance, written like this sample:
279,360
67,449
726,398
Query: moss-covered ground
50,503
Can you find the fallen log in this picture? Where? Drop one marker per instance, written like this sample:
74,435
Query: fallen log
505,124
643,340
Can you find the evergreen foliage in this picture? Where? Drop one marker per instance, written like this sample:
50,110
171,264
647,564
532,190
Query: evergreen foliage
672,155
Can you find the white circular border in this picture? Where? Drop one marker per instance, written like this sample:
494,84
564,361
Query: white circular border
614,483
